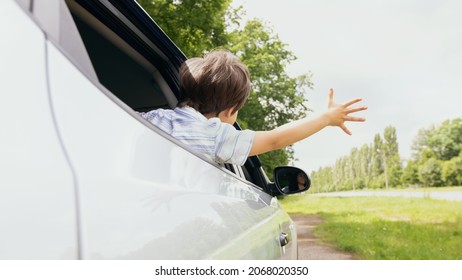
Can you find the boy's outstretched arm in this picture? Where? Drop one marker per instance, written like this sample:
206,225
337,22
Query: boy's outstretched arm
278,138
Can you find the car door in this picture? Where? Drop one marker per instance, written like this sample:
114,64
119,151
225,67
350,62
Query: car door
283,224
38,218
142,194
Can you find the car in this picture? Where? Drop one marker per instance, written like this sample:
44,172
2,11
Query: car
83,176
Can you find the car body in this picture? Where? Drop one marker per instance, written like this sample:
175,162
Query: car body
83,176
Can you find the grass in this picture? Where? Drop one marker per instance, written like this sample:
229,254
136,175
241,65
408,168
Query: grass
386,228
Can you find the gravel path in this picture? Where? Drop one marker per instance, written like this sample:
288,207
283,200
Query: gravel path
310,247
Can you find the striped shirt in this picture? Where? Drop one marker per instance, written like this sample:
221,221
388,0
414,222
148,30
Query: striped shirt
219,141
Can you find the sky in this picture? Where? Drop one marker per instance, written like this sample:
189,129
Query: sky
402,57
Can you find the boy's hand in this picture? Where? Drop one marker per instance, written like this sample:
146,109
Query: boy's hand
290,133
338,114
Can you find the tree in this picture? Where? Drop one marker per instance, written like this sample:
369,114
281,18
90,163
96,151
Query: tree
366,156
195,26
410,174
323,180
430,173
448,140
391,152
440,147
452,171
377,161
276,98
442,142
365,167
420,146
354,166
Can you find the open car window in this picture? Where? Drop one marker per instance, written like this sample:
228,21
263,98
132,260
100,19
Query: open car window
127,62
126,54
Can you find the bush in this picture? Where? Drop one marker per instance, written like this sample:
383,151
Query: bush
452,172
410,174
430,173
377,182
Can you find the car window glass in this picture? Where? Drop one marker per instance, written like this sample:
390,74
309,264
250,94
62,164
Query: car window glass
119,65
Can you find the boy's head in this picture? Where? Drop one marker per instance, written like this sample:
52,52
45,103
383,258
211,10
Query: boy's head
214,83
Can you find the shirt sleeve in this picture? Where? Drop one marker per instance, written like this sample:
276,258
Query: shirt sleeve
232,145
150,115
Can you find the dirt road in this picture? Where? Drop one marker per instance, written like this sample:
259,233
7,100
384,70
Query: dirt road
310,247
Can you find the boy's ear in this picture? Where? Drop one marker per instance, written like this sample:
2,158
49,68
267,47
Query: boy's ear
229,112
233,110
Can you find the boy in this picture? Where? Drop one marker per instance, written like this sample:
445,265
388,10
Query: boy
215,87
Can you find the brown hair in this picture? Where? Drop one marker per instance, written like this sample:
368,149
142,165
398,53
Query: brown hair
214,83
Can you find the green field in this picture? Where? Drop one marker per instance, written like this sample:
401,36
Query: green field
390,228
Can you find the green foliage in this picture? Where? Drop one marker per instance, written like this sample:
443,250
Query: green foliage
438,150
364,167
276,98
410,174
194,25
377,164
452,171
390,149
273,159
202,25
389,228
442,142
437,161
430,173
377,182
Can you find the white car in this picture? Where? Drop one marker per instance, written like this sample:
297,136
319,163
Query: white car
82,176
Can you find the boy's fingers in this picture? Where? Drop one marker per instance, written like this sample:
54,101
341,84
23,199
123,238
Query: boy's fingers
354,110
349,103
345,129
331,96
354,119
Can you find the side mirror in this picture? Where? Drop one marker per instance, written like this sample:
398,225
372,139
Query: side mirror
290,180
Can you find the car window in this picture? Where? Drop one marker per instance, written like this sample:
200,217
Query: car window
122,64
111,51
